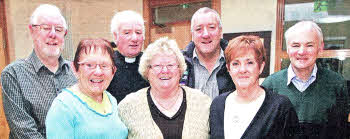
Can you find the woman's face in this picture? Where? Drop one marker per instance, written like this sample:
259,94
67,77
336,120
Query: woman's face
245,70
164,72
95,72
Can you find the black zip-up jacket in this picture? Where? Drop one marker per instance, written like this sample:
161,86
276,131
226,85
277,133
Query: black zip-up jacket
223,78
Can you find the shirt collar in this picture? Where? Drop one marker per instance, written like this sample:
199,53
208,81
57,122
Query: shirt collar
291,74
195,56
33,58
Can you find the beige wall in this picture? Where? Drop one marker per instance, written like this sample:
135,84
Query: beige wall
250,16
87,18
91,18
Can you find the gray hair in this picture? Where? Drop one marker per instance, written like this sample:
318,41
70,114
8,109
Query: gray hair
122,16
304,25
47,10
206,10
162,45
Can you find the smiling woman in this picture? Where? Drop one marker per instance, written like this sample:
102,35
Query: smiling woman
87,110
251,111
166,109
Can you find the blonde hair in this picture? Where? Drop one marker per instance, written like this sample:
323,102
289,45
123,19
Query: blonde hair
162,45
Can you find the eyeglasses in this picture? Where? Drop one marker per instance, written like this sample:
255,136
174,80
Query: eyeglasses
160,67
92,66
47,28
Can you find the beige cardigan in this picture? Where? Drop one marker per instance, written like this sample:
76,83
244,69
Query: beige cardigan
135,113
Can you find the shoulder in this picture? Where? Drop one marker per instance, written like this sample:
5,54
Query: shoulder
111,98
277,100
223,44
134,98
65,96
20,64
277,77
221,98
329,75
280,74
188,51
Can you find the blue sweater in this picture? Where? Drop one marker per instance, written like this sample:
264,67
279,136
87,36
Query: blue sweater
70,117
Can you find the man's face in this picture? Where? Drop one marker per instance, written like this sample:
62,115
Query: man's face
206,33
48,36
303,47
129,38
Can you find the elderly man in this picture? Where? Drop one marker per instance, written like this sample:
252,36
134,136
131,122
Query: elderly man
204,55
30,85
318,95
128,31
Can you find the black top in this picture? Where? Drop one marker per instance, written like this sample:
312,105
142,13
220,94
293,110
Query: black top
276,118
171,127
127,78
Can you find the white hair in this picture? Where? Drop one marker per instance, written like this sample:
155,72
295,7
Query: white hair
161,46
47,10
125,16
304,25
205,10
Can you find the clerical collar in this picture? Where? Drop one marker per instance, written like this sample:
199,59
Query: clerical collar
130,59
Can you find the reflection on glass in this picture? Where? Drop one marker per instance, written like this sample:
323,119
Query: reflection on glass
333,17
334,64
176,13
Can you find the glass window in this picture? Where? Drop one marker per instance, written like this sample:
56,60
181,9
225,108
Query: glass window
176,13
333,16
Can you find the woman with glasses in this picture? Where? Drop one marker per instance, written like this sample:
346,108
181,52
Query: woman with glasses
251,111
165,109
86,109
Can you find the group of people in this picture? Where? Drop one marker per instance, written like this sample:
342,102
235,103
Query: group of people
209,90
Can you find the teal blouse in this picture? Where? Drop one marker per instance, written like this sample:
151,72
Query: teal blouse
71,117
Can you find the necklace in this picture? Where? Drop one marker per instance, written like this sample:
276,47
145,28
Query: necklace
171,104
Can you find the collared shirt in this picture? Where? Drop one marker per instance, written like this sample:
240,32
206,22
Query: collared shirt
298,83
28,89
205,81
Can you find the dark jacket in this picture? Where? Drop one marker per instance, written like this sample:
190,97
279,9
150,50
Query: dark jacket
127,78
224,80
276,118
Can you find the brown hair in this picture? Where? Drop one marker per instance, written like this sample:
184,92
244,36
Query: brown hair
86,45
242,44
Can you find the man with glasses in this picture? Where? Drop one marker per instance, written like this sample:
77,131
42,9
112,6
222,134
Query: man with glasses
128,30
30,85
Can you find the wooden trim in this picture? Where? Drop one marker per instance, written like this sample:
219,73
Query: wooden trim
148,22
334,53
159,3
216,5
279,35
4,25
172,24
